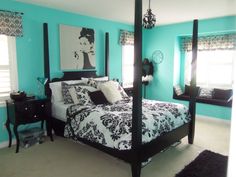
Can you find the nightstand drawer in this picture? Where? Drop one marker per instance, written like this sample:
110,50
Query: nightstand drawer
25,108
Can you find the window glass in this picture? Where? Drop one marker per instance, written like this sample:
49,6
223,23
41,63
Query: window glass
214,68
127,65
8,69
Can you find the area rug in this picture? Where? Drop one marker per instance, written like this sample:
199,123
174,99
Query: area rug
206,164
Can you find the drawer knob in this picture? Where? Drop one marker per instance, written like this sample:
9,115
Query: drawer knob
26,108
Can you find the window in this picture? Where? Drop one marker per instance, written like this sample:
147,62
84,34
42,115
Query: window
214,68
8,66
127,65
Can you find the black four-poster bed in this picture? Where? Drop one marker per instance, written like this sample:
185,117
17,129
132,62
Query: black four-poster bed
139,152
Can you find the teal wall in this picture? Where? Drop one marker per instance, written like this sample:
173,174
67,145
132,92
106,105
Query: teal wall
30,46
165,38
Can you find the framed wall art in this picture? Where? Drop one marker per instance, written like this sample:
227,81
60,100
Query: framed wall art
77,48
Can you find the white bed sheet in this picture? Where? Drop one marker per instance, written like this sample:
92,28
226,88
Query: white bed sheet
59,110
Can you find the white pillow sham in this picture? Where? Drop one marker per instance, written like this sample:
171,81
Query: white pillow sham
111,92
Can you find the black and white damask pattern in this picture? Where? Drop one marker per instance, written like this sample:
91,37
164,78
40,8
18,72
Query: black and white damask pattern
205,93
11,24
82,92
110,125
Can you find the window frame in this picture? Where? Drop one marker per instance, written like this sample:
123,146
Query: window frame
207,84
12,66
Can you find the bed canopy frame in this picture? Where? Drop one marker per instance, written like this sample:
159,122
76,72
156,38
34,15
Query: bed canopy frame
139,152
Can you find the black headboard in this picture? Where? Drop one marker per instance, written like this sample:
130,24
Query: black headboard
76,75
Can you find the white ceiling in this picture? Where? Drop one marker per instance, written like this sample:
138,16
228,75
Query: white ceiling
166,11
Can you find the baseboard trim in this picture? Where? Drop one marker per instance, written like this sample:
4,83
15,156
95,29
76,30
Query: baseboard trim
213,119
6,143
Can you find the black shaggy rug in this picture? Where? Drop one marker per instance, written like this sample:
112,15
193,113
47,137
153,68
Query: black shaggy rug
207,164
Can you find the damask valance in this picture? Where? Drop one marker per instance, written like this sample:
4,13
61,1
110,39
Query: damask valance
126,37
11,23
212,42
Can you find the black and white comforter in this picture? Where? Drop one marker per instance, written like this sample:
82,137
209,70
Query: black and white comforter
110,125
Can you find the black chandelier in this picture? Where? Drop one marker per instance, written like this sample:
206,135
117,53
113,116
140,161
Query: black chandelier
149,19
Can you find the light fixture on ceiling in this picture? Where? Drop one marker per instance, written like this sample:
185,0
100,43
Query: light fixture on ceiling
149,19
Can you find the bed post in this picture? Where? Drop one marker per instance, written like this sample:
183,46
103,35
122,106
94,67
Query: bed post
137,93
193,93
107,54
46,58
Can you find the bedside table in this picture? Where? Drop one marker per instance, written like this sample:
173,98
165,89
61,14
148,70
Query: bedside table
26,112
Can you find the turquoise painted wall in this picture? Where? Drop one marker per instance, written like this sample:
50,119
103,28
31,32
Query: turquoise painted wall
165,38
30,46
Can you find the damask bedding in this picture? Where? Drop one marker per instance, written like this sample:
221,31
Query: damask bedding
110,124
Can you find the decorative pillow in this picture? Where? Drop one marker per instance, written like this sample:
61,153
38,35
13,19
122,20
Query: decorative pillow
94,83
57,89
82,93
178,90
65,91
205,93
73,95
98,97
111,92
222,94
121,90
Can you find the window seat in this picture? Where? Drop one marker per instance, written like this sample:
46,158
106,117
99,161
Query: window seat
213,101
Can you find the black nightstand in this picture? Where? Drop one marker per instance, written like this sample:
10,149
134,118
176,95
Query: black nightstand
26,112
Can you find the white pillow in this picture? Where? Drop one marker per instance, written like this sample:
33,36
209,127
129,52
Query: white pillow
56,89
111,92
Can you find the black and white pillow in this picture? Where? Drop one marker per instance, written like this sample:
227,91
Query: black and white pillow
205,93
66,93
95,83
81,92
178,90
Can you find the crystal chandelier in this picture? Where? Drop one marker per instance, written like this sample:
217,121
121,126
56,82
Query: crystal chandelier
149,19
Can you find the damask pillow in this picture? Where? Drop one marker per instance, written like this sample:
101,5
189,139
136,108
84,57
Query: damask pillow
205,93
65,92
82,93
73,95
95,83
57,89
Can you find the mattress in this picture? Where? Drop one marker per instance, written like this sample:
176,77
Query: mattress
59,110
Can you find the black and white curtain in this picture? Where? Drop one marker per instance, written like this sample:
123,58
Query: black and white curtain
211,42
126,37
11,23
